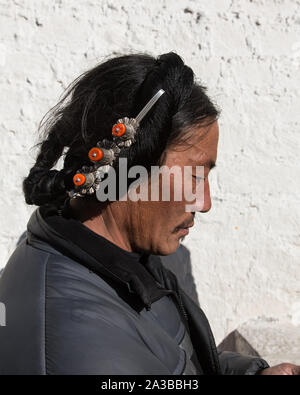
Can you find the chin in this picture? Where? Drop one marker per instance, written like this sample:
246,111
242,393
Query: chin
169,248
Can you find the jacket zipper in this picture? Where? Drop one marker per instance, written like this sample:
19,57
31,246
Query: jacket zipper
178,298
181,306
180,303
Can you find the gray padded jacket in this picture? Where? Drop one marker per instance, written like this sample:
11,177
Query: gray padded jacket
78,304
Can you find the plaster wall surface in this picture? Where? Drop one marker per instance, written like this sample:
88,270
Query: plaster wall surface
245,252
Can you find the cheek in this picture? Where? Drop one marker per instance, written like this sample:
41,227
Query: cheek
158,219
164,214
162,218
153,215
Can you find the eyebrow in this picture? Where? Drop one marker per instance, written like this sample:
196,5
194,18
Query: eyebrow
211,164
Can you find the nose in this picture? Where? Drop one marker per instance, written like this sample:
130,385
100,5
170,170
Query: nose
207,201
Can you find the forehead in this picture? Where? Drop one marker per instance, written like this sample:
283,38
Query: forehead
200,149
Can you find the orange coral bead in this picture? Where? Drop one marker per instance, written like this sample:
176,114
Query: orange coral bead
119,129
79,179
95,154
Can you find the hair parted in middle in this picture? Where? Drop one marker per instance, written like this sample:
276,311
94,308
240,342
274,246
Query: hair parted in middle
117,88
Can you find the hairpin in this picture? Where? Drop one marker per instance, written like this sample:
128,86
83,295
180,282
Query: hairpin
87,179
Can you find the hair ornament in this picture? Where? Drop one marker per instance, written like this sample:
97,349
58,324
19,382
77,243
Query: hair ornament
87,180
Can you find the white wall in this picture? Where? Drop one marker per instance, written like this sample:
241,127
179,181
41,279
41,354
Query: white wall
245,251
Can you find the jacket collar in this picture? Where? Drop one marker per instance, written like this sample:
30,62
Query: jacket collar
72,238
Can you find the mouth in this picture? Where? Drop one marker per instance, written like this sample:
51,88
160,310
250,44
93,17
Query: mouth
183,230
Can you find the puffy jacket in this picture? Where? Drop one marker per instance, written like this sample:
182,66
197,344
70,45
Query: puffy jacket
78,304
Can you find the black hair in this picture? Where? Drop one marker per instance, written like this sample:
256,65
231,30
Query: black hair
119,87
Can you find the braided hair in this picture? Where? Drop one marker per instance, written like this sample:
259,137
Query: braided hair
117,88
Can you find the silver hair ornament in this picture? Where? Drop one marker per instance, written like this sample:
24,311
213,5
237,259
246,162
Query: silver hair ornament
88,179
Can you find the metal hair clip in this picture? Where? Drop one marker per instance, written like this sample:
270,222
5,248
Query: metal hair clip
87,179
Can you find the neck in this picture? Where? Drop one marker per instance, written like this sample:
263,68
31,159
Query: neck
107,220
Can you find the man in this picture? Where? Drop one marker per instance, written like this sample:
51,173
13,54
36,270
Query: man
86,292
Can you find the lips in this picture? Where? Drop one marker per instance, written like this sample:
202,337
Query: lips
192,224
184,229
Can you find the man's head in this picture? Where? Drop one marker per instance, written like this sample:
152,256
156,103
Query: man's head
158,226
181,130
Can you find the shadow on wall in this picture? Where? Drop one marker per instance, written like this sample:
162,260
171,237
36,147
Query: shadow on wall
180,264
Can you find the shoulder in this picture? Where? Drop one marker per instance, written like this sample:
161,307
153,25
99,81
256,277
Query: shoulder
89,328
73,320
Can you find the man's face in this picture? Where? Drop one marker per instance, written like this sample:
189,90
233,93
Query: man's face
158,226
